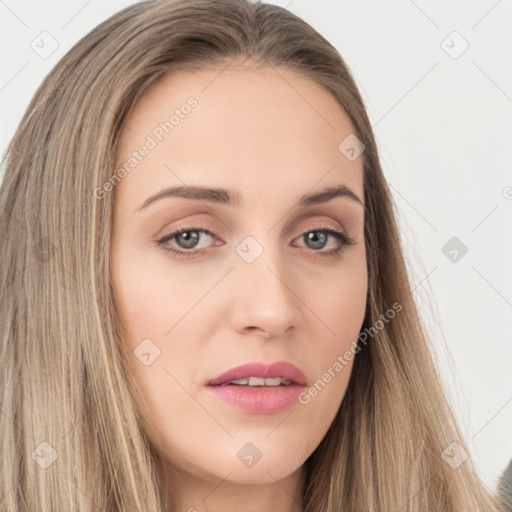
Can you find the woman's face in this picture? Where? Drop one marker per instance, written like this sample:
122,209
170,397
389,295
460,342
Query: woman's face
262,277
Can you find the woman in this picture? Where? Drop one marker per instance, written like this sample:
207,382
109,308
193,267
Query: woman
281,365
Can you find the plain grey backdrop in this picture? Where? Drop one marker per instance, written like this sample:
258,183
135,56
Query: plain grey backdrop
436,78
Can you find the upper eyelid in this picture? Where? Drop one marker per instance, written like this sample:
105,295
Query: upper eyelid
316,224
202,229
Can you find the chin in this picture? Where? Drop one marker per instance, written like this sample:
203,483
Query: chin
260,474
263,460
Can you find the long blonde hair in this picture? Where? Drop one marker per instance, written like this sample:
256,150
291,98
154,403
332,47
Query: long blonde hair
70,433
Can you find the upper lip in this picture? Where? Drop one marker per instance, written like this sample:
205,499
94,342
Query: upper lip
282,369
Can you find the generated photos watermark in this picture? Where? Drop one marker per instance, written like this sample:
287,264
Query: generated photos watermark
152,140
343,359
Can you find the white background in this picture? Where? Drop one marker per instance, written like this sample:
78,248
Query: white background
444,130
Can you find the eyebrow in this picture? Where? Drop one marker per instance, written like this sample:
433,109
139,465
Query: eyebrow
223,196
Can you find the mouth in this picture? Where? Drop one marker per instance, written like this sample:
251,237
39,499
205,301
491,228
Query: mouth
261,374
258,382
259,388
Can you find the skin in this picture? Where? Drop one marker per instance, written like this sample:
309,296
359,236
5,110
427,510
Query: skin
272,135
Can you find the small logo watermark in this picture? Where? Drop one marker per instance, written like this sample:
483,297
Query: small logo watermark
44,45
249,455
249,249
146,352
454,45
45,455
454,454
351,147
454,249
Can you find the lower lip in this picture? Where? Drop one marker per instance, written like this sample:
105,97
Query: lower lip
259,400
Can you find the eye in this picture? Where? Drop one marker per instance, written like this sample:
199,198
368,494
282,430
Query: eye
317,239
187,238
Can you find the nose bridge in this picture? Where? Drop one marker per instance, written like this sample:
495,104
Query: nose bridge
263,292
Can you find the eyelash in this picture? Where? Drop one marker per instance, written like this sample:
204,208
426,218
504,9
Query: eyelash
343,238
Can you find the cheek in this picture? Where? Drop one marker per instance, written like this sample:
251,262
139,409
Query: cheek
151,300
339,307
154,309
160,341
339,303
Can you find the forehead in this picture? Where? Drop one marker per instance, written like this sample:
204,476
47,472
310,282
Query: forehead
248,126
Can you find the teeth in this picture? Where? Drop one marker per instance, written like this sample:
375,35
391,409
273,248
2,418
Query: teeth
260,381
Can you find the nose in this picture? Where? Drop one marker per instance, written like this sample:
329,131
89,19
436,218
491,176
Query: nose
264,298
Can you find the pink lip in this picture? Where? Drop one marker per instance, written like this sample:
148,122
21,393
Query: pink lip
261,399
